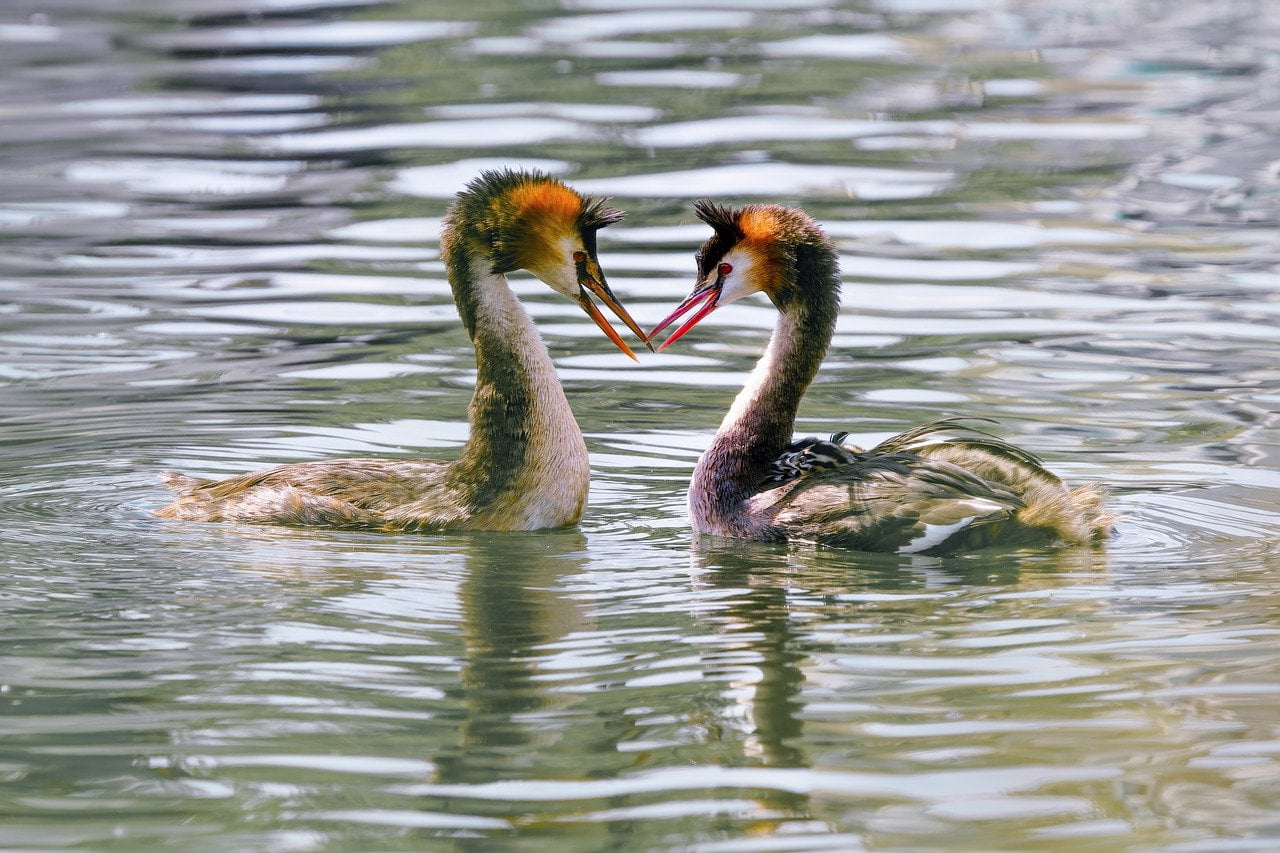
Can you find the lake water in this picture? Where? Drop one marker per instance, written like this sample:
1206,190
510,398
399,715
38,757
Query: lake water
219,222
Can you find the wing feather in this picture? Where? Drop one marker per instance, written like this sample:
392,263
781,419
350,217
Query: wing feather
889,502
942,431
363,483
944,485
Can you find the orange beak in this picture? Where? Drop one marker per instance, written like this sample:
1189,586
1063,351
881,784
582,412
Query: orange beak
591,280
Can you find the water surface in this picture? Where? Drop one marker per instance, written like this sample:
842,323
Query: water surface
220,223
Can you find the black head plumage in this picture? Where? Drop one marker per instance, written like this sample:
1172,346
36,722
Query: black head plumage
727,232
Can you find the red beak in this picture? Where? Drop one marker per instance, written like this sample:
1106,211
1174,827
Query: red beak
710,293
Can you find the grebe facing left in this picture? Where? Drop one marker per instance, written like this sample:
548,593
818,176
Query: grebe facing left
524,466
939,488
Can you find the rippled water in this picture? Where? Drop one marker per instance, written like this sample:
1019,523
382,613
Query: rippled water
220,222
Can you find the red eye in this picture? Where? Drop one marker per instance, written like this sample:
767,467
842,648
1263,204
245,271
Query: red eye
725,269
579,257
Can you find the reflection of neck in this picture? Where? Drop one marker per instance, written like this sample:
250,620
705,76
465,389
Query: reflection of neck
761,421
758,621
510,611
523,434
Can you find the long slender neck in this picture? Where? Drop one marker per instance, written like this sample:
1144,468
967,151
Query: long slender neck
760,423
521,423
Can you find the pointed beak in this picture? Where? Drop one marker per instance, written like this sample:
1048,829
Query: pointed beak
708,295
591,281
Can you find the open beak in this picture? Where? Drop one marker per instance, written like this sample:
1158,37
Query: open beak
591,281
708,295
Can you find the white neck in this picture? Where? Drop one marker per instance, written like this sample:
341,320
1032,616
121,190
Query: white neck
747,403
753,433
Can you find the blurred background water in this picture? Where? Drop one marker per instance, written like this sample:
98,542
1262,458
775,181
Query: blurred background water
219,223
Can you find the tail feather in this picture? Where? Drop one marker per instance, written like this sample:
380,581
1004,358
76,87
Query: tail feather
1090,500
180,484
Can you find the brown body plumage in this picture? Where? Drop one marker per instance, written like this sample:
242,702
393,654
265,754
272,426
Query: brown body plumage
940,488
524,466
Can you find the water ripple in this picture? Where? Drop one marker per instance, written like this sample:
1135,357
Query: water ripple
222,223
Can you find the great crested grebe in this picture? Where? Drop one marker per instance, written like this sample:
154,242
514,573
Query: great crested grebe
927,490
524,466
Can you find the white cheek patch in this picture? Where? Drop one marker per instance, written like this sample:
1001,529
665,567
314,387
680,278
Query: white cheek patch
742,280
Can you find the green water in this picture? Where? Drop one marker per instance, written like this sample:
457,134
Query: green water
219,221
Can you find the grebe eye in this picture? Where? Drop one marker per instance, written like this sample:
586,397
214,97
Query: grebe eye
579,257
725,269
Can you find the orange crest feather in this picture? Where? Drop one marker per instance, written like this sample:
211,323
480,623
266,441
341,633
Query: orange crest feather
549,201
759,225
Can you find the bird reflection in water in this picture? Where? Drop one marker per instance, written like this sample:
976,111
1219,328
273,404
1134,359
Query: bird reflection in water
782,603
513,606
767,646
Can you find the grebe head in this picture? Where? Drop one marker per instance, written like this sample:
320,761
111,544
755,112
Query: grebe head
754,249
529,220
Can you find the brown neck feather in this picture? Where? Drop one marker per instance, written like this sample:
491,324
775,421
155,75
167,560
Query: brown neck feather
501,407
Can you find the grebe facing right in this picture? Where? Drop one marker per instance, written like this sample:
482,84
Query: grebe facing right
940,488
524,466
